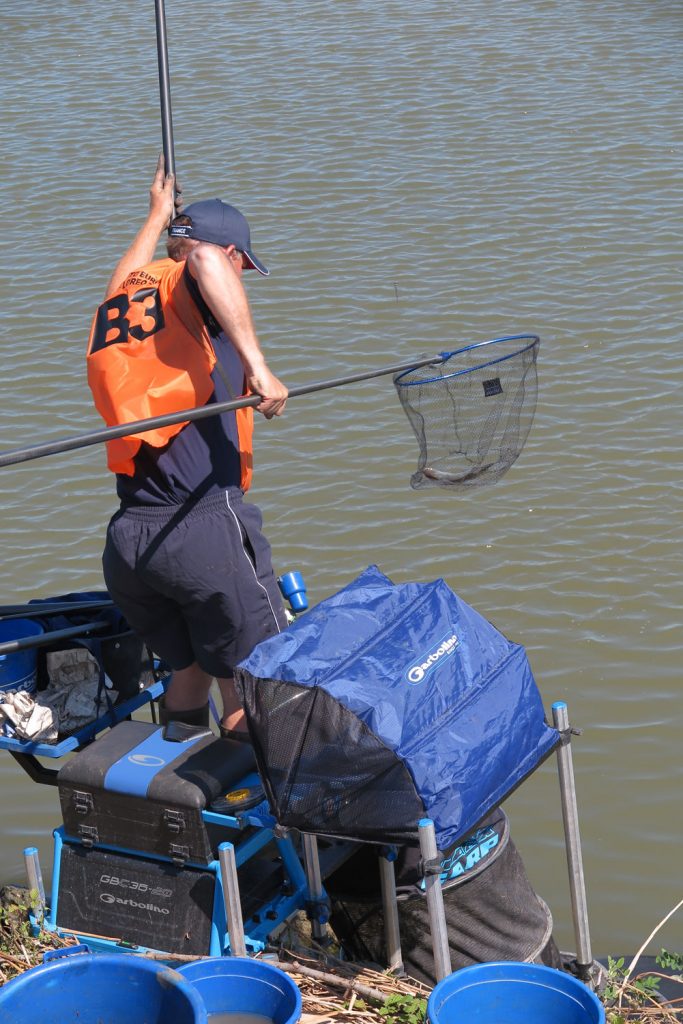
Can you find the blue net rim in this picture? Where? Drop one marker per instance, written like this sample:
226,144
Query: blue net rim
532,339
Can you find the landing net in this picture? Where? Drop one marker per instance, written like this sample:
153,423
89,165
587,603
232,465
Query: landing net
472,412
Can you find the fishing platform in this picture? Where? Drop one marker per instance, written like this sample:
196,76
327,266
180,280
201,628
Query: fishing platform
166,843
388,715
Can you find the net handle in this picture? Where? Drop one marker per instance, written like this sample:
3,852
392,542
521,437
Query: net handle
11,458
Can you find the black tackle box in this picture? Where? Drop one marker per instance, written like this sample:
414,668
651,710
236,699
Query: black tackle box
139,788
140,900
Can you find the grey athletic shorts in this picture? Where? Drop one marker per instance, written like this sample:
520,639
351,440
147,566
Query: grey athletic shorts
195,581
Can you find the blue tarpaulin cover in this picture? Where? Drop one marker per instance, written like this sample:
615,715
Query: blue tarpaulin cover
436,687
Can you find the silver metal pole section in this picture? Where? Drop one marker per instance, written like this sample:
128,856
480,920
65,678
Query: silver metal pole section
570,817
315,882
35,877
437,914
231,898
390,906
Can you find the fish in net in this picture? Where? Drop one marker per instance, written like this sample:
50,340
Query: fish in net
472,411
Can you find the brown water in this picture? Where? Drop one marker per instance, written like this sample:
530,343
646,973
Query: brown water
418,176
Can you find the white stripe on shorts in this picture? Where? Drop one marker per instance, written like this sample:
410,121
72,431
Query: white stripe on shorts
251,564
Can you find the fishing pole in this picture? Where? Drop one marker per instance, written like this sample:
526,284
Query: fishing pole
43,608
16,456
25,643
165,90
66,444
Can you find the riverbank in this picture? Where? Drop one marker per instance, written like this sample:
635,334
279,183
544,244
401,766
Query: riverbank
335,990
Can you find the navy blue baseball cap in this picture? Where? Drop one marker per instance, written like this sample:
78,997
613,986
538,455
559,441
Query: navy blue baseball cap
212,220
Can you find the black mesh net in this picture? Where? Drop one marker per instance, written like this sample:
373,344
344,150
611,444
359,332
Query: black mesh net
472,412
323,770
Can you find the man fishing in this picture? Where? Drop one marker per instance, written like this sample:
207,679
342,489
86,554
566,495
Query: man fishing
185,559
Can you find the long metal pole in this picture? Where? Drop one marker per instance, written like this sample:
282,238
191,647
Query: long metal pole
202,412
231,899
22,611
570,817
314,884
42,639
437,913
390,906
164,88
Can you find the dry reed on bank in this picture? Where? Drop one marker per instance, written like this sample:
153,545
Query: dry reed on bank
332,989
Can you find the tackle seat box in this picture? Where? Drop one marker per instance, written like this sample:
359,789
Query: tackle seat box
135,790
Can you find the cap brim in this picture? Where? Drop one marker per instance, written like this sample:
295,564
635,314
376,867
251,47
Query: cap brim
255,264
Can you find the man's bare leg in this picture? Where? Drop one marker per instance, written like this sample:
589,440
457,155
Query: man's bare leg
233,713
189,689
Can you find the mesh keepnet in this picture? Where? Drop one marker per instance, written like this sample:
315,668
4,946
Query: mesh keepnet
472,412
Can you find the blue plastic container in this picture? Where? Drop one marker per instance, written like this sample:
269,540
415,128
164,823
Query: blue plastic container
109,988
18,669
231,984
513,993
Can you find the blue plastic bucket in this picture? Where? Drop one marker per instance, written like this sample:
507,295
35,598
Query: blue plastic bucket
110,988
18,669
513,993
231,984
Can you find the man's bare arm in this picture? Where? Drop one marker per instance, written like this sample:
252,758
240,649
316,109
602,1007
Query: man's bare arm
143,246
225,296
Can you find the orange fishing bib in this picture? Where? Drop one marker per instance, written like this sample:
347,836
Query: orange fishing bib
150,353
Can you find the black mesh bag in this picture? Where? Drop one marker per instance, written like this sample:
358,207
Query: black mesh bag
472,411
492,911
364,790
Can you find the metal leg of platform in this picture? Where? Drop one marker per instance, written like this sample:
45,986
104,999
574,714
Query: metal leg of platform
570,817
316,893
435,907
35,879
390,906
231,897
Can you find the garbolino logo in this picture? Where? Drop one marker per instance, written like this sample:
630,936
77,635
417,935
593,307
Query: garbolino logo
147,760
106,897
419,669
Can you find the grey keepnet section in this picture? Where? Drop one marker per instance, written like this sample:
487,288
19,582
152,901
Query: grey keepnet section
495,915
323,771
472,413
